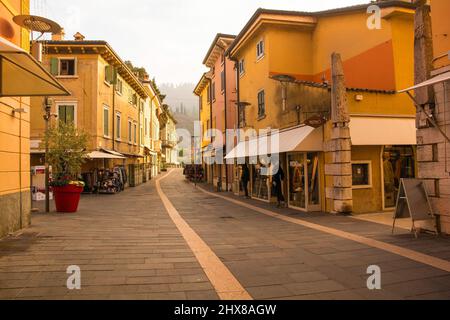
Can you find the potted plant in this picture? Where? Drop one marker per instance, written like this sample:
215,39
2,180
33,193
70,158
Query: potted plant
67,153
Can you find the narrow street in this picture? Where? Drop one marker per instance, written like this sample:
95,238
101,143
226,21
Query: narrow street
177,242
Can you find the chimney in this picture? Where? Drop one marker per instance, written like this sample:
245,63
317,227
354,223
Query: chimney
58,36
78,37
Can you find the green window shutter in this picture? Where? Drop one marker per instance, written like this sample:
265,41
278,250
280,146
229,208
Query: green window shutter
106,122
108,74
62,113
54,66
70,114
114,76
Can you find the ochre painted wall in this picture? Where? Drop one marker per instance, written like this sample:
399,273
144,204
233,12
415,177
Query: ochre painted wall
14,135
368,199
441,31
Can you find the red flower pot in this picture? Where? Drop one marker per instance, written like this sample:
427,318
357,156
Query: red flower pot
67,198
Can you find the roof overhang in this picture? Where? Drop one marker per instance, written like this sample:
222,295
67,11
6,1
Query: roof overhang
23,76
218,48
263,18
202,84
103,49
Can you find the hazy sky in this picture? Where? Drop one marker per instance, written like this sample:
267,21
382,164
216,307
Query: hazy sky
168,37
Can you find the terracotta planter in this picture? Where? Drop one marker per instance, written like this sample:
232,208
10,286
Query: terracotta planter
67,198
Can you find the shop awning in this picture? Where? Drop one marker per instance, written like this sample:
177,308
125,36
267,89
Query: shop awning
377,131
300,139
115,153
438,79
21,75
103,155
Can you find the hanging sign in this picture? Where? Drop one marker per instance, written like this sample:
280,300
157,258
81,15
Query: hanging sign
315,122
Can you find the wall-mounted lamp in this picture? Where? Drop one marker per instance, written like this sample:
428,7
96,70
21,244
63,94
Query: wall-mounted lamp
359,97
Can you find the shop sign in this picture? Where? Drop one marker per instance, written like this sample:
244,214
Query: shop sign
316,121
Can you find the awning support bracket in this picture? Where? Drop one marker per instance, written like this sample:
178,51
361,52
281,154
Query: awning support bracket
429,117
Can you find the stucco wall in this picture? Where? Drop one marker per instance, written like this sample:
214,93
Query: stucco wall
14,136
368,199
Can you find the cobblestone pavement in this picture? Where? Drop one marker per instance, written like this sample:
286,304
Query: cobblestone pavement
128,247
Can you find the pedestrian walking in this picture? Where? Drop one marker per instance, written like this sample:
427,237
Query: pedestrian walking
277,181
245,178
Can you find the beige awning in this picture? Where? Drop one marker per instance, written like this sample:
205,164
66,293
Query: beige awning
377,131
300,139
21,75
115,153
438,79
102,155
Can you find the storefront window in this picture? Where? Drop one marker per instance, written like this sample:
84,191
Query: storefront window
297,190
398,163
313,179
260,182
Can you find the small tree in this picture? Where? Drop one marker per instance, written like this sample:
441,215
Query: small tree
67,151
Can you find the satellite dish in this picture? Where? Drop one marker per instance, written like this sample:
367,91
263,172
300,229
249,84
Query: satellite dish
38,24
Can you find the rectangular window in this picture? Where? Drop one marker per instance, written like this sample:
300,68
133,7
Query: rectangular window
208,95
241,67
200,103
67,67
146,127
141,131
135,133
108,74
118,126
213,91
105,121
362,174
66,113
260,49
130,131
222,81
261,104
119,86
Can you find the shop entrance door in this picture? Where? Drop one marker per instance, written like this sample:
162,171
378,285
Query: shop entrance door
303,183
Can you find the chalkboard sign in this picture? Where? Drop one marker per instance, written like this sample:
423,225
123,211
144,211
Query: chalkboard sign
413,202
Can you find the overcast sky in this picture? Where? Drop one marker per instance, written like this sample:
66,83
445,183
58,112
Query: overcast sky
168,37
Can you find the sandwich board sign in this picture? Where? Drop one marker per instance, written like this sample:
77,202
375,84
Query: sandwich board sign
413,202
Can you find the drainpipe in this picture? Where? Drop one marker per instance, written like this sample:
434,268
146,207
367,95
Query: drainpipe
114,117
238,98
211,120
226,122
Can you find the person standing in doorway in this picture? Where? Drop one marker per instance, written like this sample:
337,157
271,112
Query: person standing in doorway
278,179
245,178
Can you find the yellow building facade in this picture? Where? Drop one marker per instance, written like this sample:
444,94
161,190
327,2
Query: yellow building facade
15,204
202,91
107,101
284,75
21,76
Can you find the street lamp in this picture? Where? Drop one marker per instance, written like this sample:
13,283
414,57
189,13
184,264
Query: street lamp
43,26
47,117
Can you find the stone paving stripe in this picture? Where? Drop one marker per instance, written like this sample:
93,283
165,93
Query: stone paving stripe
406,253
221,278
